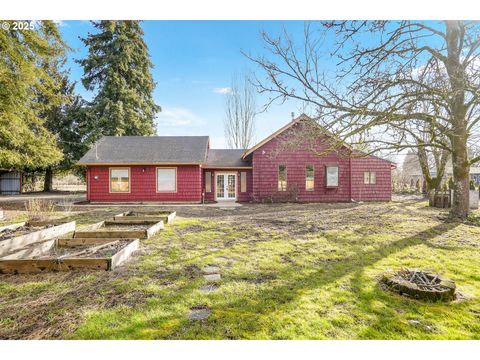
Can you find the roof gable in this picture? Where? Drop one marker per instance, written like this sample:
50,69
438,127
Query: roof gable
295,121
147,150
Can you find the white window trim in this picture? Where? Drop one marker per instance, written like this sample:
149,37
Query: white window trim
278,178
110,180
326,176
313,177
156,180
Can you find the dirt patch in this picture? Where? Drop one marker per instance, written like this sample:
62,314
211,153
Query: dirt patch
22,230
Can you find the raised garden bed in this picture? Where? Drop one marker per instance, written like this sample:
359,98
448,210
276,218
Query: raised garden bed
17,236
121,229
165,216
420,284
60,255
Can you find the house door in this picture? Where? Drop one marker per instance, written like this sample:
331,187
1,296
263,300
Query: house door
226,186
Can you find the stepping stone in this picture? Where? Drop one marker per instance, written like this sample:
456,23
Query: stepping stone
209,288
212,277
200,312
214,249
210,269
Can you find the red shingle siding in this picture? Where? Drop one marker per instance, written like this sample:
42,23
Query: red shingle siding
241,196
382,189
143,185
267,158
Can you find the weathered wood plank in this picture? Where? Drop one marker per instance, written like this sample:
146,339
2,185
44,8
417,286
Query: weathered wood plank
121,256
73,242
123,234
133,221
22,266
35,250
11,226
152,230
153,219
18,242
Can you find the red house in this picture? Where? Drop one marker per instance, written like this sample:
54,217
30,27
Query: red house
283,167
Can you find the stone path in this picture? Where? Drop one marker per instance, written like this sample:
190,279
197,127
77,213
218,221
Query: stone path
199,312
211,273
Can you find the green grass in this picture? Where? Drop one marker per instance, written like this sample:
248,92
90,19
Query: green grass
279,281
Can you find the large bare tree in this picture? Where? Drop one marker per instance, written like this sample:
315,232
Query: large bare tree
240,112
384,72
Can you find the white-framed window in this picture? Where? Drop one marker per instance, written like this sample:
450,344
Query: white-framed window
309,178
243,181
208,181
119,180
331,174
282,178
369,177
166,179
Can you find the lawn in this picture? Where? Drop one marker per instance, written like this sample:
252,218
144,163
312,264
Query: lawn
288,271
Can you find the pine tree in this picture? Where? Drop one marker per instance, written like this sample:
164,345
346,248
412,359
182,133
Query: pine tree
24,140
66,121
118,67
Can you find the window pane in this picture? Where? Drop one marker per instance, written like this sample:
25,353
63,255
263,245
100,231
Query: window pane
332,176
282,178
309,178
208,181
166,180
243,181
373,178
366,177
119,180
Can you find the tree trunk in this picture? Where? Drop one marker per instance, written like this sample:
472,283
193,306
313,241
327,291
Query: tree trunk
461,170
459,133
47,185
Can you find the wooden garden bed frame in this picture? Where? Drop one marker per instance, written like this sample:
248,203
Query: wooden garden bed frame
99,229
18,242
165,216
17,264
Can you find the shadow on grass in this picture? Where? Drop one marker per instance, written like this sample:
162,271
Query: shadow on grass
245,316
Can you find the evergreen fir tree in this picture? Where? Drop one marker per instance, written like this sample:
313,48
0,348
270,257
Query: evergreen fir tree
24,140
118,68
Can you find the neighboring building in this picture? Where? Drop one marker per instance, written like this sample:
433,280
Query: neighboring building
185,169
10,182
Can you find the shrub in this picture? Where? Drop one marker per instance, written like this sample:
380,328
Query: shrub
39,209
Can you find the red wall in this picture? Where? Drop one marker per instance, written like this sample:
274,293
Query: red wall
143,185
382,189
241,196
267,158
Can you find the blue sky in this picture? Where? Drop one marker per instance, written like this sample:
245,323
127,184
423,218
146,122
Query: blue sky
194,61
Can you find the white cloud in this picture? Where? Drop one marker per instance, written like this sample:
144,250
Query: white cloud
222,90
177,117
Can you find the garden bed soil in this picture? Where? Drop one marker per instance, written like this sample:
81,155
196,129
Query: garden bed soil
166,216
19,236
49,256
112,229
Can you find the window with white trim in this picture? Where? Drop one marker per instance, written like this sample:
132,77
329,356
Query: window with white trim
243,181
331,174
369,177
166,179
120,180
282,178
208,181
309,178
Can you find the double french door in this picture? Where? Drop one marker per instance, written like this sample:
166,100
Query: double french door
226,186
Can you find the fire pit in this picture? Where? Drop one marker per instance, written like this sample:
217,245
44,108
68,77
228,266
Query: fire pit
420,284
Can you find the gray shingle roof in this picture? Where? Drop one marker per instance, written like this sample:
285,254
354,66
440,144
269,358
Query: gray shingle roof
226,158
147,149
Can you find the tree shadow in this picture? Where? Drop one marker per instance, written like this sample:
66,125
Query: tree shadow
275,299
